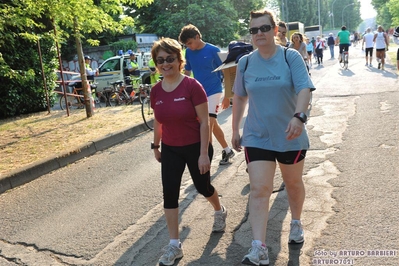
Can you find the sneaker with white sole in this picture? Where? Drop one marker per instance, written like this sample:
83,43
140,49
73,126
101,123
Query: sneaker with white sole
219,223
171,253
226,157
296,233
257,255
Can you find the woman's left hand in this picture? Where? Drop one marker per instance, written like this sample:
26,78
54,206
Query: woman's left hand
294,129
204,164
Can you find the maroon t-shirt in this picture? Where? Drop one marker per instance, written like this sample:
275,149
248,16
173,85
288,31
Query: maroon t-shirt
175,110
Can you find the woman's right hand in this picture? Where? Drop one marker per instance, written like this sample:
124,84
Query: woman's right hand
157,154
236,141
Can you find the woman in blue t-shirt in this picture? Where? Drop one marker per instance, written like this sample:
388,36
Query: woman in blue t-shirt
276,85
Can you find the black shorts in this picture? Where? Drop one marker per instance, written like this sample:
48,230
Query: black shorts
289,157
309,52
380,50
369,51
397,55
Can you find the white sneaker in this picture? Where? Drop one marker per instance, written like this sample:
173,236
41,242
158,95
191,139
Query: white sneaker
296,233
171,253
219,223
257,255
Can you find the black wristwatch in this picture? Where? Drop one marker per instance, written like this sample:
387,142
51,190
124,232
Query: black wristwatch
154,146
301,116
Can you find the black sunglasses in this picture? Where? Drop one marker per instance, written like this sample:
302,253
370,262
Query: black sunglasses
169,60
263,28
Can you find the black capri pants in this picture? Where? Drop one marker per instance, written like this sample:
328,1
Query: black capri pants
173,162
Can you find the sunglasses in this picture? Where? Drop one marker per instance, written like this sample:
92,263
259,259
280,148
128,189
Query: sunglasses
169,60
263,28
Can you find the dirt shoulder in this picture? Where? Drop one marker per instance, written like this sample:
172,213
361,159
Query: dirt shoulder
31,138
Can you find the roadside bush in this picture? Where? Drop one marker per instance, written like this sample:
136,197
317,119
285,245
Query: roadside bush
21,83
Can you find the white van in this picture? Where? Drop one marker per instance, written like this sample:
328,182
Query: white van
115,68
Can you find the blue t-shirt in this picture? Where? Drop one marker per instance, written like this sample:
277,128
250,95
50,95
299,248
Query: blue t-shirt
202,62
272,87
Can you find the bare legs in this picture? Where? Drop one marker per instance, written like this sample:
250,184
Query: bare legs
261,175
172,215
217,131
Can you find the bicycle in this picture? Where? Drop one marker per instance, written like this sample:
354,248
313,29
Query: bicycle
146,110
76,99
138,87
118,95
344,60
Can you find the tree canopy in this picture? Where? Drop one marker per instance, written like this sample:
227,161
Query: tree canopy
219,21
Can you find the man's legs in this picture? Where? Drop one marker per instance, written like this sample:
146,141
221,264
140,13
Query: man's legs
215,129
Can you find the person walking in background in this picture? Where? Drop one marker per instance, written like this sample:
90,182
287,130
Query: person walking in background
203,58
319,50
343,41
298,44
396,40
381,45
310,51
331,44
271,135
368,40
181,122
282,34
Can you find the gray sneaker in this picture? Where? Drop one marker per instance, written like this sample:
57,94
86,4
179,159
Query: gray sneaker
226,157
296,233
219,223
171,253
257,256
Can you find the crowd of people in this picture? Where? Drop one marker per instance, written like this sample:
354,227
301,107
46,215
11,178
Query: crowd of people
274,132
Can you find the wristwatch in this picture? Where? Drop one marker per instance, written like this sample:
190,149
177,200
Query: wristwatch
301,116
154,146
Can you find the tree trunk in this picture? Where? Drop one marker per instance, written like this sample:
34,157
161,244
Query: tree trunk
85,84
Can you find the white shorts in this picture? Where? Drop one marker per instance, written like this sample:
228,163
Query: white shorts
214,104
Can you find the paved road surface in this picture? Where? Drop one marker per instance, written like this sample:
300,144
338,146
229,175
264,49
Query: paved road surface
107,209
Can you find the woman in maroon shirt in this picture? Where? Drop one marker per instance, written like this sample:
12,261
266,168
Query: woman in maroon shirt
182,124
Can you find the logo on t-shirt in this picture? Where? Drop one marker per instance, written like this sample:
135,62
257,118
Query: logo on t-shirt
179,99
268,78
159,102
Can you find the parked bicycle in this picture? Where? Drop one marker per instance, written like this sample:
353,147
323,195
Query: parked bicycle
76,98
117,94
146,110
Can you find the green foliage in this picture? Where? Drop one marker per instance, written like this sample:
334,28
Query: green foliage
218,21
123,45
21,22
393,6
22,87
307,12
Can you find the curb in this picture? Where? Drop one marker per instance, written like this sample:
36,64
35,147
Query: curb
31,172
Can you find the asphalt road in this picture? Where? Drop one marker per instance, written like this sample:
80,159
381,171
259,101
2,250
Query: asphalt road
107,209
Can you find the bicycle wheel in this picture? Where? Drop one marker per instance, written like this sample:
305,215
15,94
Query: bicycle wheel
142,94
100,100
346,58
113,99
342,62
147,113
72,101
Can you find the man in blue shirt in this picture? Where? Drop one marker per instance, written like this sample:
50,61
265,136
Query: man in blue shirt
202,58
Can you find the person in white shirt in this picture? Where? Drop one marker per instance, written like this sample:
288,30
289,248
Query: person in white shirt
368,39
381,45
